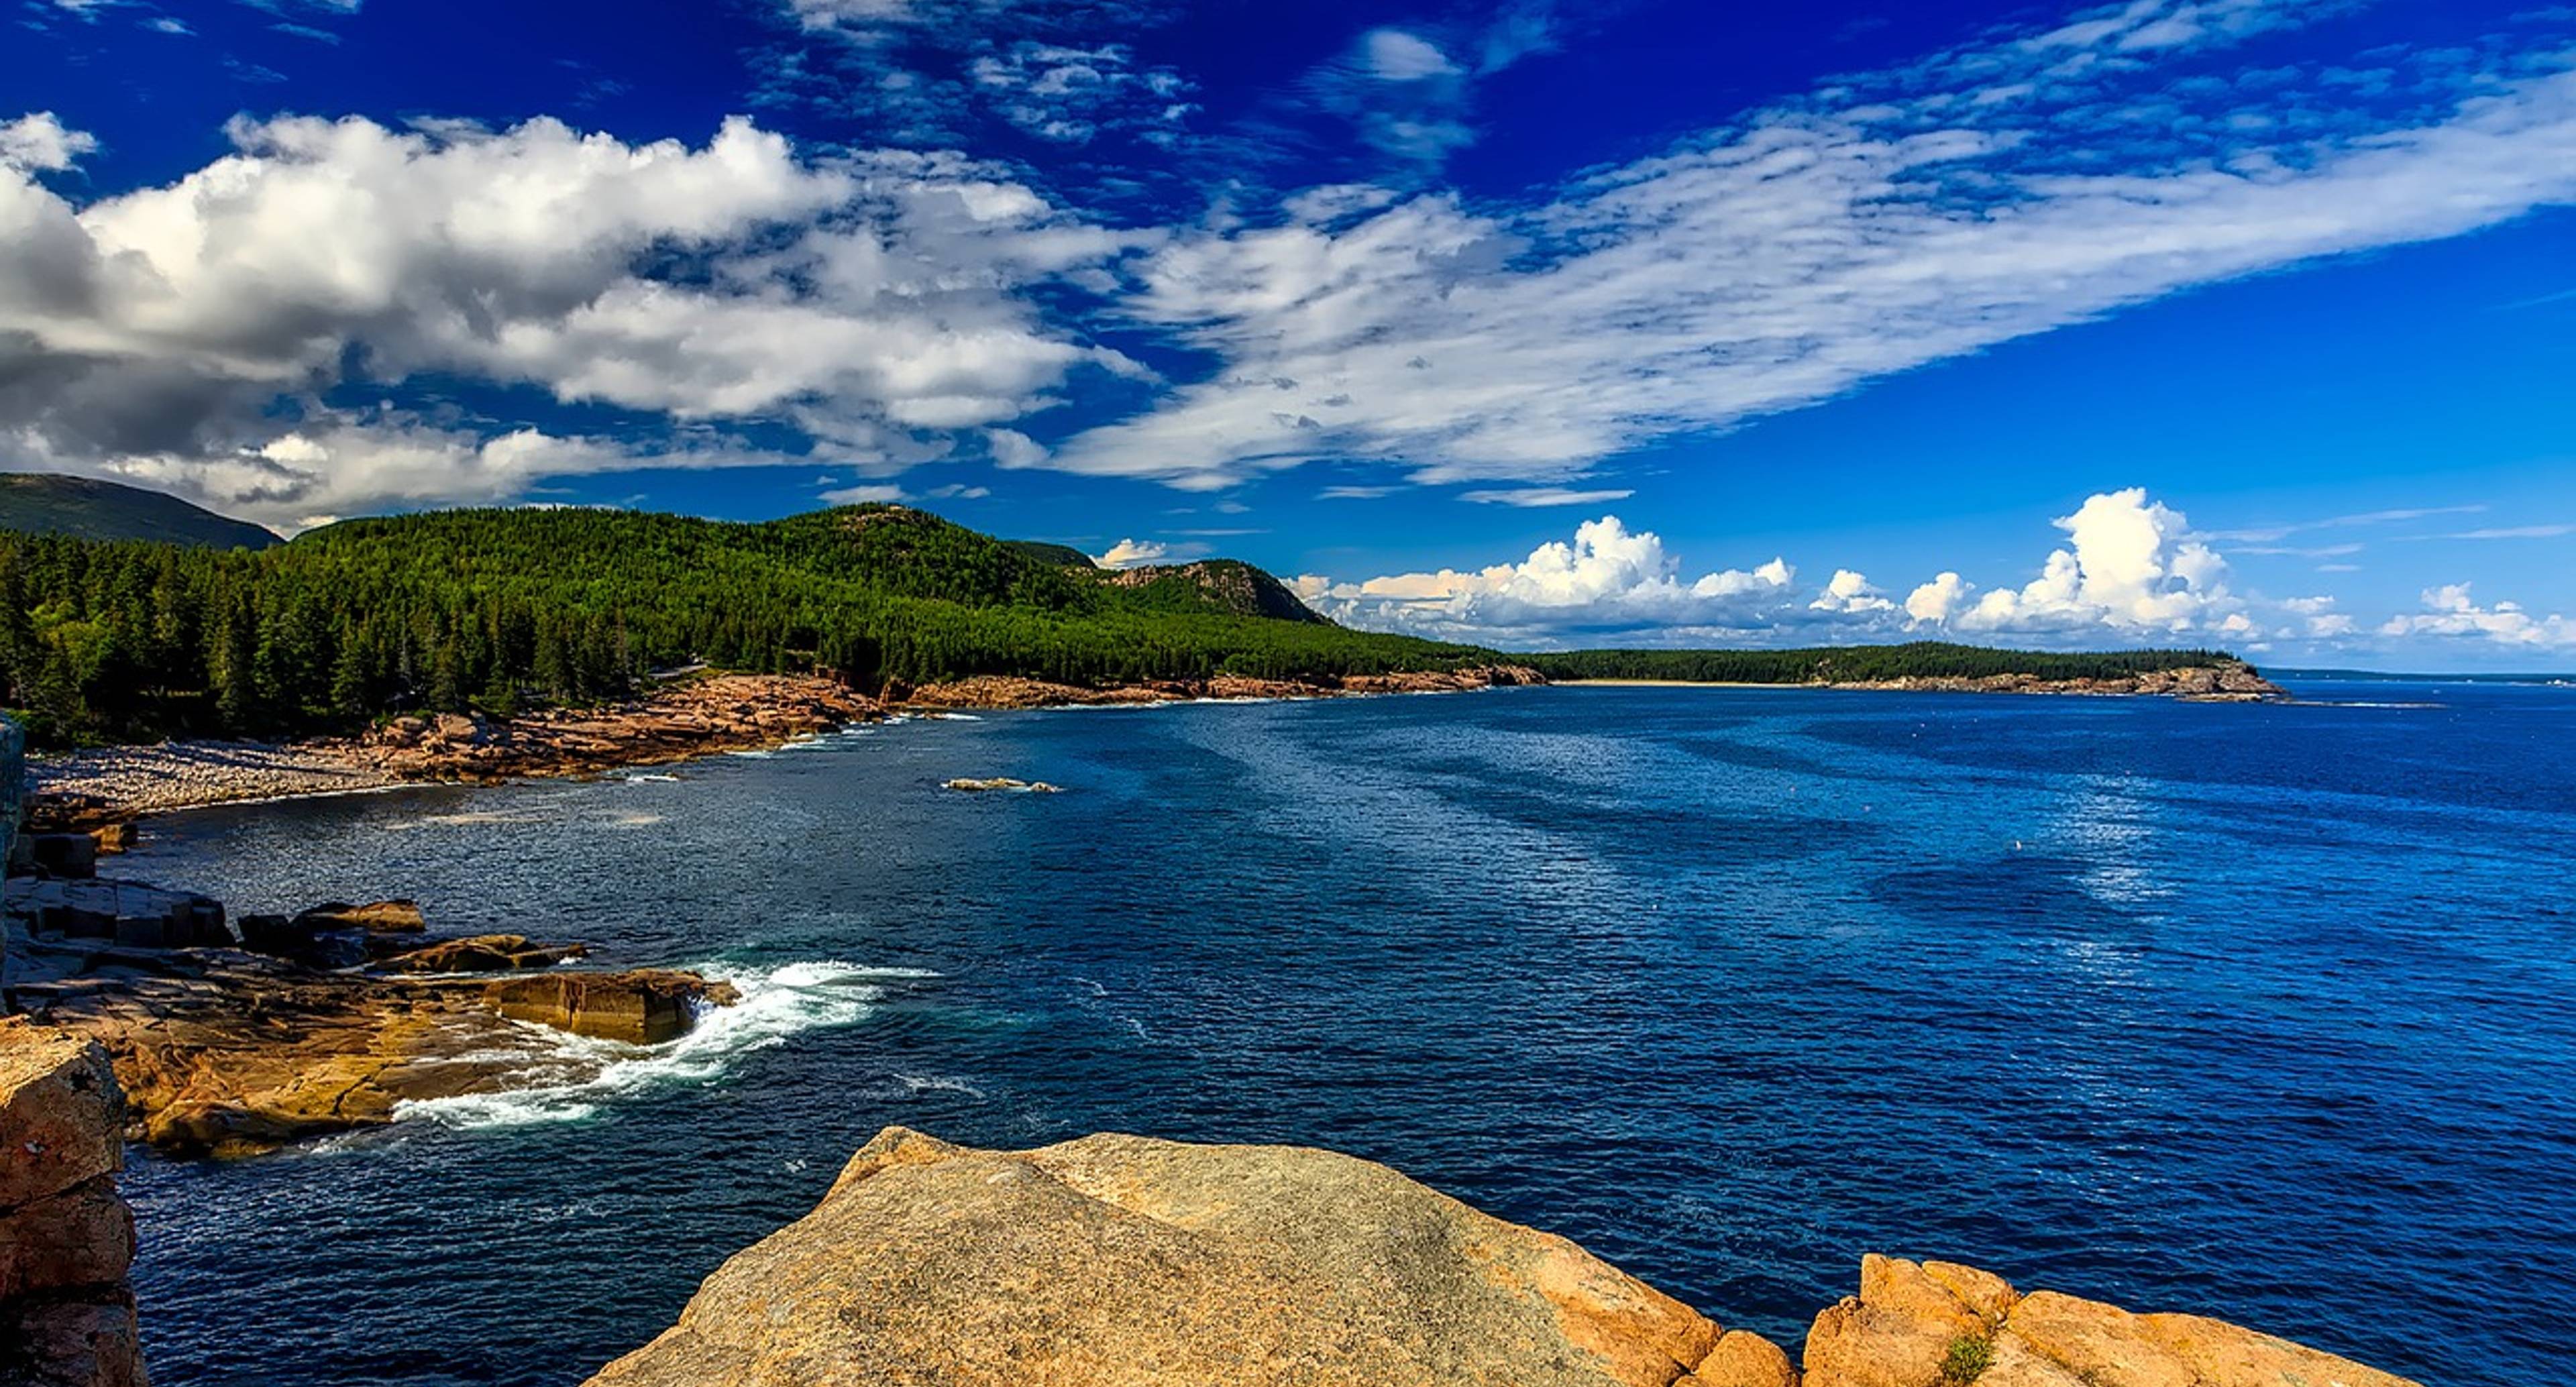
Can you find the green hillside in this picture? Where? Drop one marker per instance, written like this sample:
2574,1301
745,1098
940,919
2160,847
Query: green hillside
1056,555
1220,584
86,508
502,608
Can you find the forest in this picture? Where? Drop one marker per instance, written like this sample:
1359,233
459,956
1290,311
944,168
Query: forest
502,609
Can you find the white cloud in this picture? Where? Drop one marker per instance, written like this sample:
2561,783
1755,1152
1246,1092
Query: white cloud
2132,572
1133,553
1543,496
1850,592
1011,448
39,144
1393,55
1608,578
1872,228
2450,611
2130,565
874,300
337,463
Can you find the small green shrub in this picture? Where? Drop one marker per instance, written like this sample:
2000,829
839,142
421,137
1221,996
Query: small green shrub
1967,1360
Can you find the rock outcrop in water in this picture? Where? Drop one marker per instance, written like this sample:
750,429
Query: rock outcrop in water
1118,1261
66,1237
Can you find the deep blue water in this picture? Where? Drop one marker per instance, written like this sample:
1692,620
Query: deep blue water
2261,1012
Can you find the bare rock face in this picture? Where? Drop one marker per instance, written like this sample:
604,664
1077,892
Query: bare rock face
225,1053
1119,1261
1937,1324
483,953
66,1238
644,1006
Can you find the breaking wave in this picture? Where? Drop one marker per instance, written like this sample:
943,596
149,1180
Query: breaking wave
573,1077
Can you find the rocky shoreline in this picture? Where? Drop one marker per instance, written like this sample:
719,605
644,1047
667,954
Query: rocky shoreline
323,1022
683,719
96,791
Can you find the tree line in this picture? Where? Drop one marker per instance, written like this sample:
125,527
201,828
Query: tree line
500,609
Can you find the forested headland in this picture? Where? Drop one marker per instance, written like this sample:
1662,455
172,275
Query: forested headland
500,609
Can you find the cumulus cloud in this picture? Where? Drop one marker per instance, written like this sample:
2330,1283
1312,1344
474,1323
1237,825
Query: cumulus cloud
2450,611
2130,563
1608,578
1850,592
1134,553
875,300
39,144
1878,225
2131,572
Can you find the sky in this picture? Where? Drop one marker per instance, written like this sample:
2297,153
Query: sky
2236,323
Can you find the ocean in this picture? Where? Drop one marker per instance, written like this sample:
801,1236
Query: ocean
2262,1012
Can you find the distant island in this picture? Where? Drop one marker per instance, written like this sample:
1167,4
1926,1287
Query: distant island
495,613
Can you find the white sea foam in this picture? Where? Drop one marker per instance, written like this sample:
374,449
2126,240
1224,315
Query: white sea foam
650,778
953,717
575,1076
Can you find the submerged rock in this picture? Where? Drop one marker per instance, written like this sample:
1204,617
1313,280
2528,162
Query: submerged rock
1119,1261
66,1236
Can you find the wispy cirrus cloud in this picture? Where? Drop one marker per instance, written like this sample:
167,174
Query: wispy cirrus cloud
1544,496
1880,224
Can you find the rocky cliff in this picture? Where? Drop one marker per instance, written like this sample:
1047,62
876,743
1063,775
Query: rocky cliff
1118,1261
66,1238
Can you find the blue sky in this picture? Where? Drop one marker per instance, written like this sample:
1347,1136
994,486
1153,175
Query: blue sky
2238,322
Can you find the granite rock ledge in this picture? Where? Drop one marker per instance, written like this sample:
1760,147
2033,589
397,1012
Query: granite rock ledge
1120,1261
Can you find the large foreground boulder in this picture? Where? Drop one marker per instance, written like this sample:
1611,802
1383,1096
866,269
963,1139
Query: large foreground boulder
1119,1261
66,1237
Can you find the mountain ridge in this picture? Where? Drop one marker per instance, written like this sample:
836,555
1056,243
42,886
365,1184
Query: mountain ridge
96,509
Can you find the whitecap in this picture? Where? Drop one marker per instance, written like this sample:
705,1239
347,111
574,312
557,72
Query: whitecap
573,1077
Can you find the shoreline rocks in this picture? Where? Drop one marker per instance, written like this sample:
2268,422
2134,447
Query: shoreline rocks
318,1023
1923,1324
67,1315
1117,1261
2191,684
999,691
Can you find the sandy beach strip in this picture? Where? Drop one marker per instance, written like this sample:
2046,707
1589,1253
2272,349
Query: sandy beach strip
189,775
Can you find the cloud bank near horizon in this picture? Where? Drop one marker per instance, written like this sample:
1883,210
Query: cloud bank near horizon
2131,571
